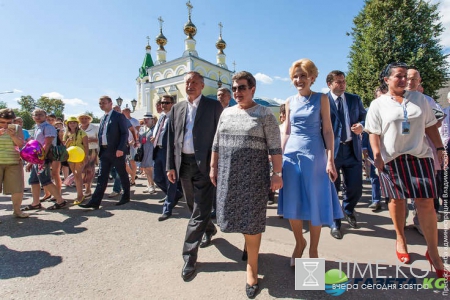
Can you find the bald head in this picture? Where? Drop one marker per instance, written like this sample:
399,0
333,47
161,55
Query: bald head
413,80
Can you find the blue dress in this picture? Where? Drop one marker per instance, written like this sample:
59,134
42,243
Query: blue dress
307,193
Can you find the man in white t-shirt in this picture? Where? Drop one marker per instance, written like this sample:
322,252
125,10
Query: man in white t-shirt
133,141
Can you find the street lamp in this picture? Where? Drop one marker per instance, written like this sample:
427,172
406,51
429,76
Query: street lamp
133,104
7,92
119,101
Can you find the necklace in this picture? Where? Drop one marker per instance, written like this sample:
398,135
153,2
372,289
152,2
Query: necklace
307,100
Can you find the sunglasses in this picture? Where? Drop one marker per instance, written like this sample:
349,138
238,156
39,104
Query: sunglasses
166,102
239,88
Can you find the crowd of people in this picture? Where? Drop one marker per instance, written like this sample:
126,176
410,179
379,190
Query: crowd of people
227,162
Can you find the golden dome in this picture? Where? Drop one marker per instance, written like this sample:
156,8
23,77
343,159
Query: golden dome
189,29
148,47
161,40
220,44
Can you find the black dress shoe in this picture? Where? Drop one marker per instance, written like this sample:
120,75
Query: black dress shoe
213,214
89,205
351,220
164,217
122,202
336,233
188,271
207,239
251,291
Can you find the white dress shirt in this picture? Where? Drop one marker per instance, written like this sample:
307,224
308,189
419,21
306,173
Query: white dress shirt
188,141
347,118
107,116
159,124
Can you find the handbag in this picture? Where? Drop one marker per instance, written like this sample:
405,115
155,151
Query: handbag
139,154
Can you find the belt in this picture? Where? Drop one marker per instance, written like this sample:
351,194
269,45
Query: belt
346,143
187,155
159,146
104,146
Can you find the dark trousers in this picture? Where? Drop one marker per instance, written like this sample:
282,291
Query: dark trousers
173,191
108,159
352,173
198,192
159,169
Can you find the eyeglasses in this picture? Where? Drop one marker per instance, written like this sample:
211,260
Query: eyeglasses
239,88
166,102
38,115
2,122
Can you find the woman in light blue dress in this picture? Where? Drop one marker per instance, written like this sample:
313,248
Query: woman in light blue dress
308,162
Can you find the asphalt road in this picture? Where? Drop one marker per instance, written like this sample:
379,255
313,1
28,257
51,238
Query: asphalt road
125,253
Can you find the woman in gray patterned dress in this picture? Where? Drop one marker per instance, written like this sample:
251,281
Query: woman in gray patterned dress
247,137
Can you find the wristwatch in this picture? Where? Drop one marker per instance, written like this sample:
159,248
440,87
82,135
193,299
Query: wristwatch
279,174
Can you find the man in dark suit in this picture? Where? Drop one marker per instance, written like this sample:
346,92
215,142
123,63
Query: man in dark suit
347,117
159,140
192,128
113,141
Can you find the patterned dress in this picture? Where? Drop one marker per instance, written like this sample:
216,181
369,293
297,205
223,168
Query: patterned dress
244,139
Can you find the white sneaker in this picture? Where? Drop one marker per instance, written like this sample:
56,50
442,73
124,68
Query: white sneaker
113,194
151,189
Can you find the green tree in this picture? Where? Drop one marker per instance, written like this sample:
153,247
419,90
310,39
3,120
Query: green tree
94,118
396,30
3,105
50,105
27,103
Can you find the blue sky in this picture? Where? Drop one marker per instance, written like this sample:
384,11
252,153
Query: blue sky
80,50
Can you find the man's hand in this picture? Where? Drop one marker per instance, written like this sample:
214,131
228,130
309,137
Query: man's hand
171,175
119,153
357,128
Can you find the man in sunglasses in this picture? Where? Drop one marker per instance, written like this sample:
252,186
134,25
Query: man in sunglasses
192,128
159,139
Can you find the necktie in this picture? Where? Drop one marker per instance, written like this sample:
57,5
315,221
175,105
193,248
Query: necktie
342,119
102,127
158,133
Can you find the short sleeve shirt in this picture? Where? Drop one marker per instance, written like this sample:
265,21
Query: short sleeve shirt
43,131
385,118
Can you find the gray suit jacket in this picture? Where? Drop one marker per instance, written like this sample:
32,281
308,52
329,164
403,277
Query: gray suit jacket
205,124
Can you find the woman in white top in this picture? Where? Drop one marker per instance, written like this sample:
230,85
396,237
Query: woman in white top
89,169
398,123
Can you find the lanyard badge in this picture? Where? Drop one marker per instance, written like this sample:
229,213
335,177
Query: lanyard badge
405,123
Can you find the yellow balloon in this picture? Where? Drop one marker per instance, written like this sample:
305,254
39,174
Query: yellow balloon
76,154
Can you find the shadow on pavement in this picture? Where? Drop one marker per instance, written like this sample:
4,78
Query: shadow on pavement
25,263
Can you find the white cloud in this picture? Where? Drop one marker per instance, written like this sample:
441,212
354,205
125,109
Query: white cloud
444,9
17,91
53,95
282,78
281,101
71,102
74,102
324,90
265,79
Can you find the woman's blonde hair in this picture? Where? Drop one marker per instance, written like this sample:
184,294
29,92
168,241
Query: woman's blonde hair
306,65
